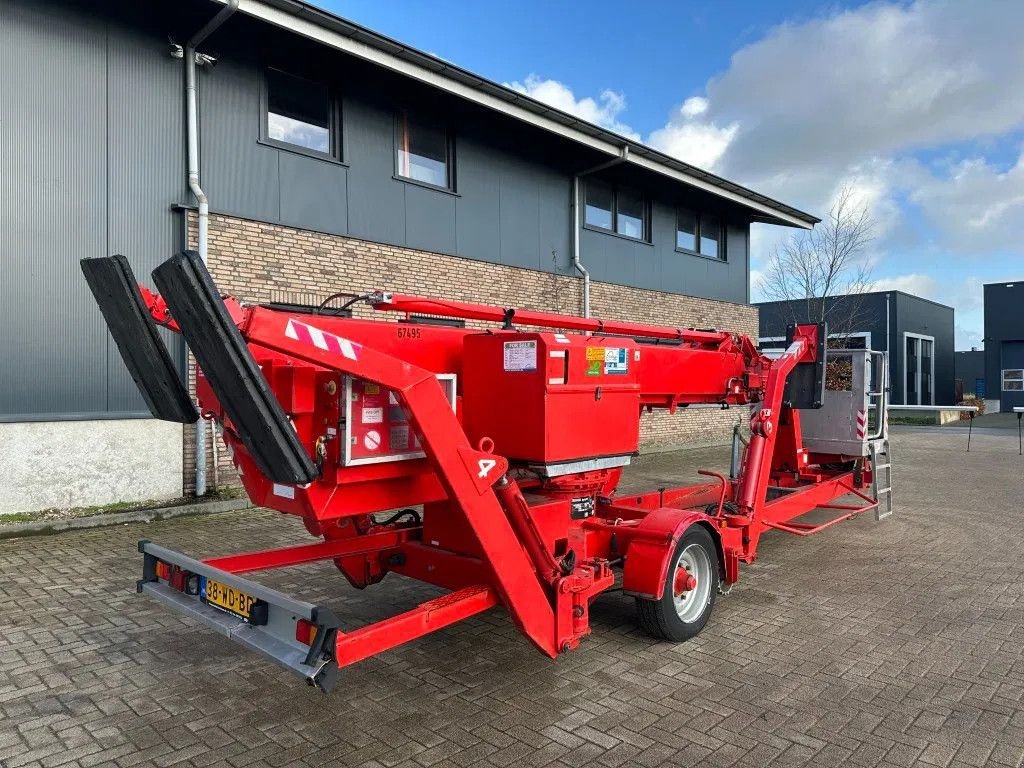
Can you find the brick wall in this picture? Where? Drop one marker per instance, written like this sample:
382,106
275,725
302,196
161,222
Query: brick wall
264,262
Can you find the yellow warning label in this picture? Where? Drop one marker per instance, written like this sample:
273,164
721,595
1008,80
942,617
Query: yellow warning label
595,353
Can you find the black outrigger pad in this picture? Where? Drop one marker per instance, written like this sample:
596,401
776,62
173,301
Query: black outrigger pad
805,386
197,307
116,291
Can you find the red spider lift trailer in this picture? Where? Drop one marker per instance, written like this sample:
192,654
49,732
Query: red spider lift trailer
482,460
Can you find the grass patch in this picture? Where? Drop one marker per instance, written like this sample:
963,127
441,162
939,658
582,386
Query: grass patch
17,517
913,421
44,515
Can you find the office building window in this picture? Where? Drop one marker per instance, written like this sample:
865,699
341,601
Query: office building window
700,233
711,236
686,231
600,210
620,210
423,152
299,114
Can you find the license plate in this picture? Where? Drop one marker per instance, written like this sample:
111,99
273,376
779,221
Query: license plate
228,598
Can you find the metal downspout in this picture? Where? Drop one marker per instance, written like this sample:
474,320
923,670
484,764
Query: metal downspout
576,262
192,138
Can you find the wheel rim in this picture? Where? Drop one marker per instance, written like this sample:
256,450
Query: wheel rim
693,563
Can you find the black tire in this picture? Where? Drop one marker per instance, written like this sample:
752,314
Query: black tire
660,618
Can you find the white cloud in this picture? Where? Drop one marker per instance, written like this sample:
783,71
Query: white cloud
919,285
870,82
756,283
975,207
603,111
692,139
852,99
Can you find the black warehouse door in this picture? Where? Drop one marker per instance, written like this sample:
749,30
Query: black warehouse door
1012,375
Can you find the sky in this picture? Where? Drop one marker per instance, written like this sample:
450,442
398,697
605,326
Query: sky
917,108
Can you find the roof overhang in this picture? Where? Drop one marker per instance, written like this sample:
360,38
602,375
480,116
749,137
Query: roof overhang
326,28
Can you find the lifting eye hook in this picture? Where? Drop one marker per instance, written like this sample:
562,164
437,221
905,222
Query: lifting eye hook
320,451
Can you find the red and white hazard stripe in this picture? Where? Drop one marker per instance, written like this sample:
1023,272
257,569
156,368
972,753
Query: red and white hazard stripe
329,342
862,424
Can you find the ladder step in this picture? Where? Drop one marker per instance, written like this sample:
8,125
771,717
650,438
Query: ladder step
883,515
882,466
880,491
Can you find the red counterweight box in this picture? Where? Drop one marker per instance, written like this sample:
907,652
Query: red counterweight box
549,398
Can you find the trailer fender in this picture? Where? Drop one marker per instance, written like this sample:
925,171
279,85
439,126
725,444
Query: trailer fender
650,549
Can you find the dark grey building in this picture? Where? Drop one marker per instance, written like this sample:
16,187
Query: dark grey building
917,334
307,121
969,371
1004,344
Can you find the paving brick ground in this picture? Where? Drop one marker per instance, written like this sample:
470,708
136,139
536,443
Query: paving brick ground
872,644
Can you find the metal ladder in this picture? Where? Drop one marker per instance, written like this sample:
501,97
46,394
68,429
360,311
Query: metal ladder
881,461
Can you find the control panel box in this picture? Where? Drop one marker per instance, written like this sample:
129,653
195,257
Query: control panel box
549,398
376,425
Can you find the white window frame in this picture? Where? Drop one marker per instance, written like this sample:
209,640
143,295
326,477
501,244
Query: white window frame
903,369
1003,380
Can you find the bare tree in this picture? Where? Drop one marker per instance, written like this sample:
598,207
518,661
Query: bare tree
823,272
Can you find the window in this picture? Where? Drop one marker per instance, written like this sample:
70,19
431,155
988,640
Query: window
686,231
600,205
1013,380
423,152
700,233
299,113
710,236
623,211
918,369
631,214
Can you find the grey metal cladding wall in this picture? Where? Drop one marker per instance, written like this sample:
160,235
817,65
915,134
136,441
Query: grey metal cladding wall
478,207
916,315
52,208
90,139
969,366
513,185
239,175
1004,320
314,193
508,208
376,202
146,158
430,219
775,316
659,266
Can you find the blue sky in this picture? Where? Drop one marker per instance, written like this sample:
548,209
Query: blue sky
914,106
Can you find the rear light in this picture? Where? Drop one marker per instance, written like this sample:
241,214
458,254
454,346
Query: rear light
177,579
305,632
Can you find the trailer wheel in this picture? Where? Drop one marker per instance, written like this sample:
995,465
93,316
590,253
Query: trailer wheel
689,595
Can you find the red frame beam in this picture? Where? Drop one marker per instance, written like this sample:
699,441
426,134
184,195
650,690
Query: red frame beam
248,562
441,612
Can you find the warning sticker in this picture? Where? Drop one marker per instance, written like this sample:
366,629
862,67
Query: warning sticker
399,438
373,415
520,355
615,360
595,353
371,440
